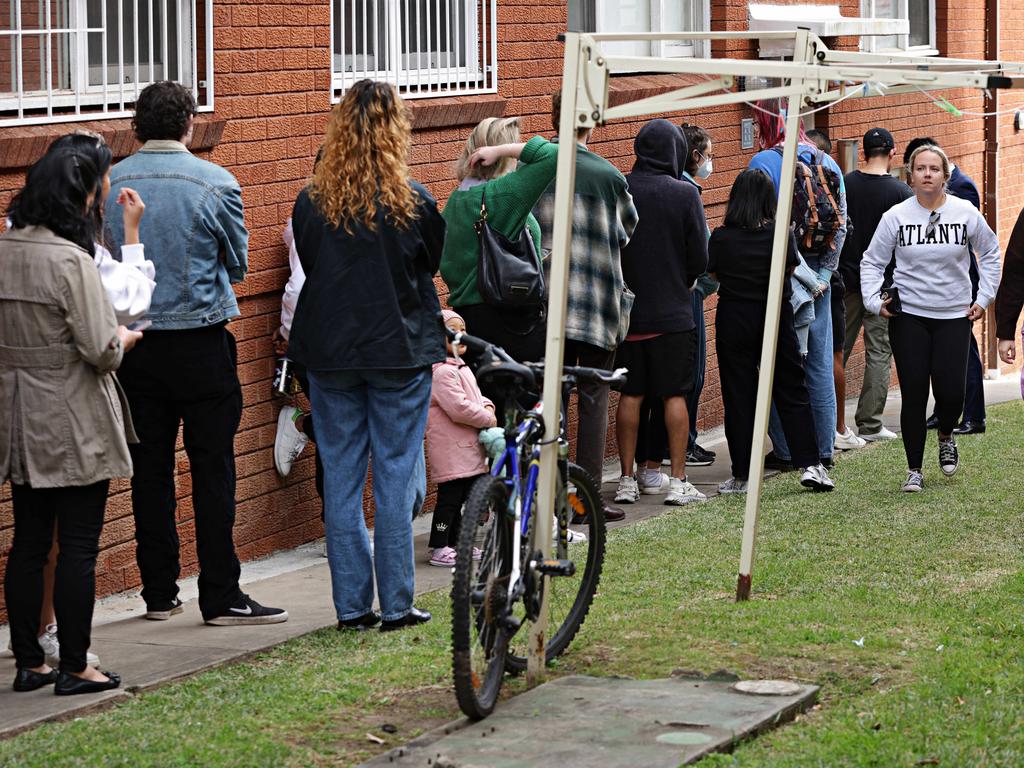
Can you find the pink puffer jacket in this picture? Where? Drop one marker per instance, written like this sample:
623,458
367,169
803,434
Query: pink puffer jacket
458,411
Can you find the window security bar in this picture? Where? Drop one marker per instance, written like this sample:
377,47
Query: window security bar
424,47
71,60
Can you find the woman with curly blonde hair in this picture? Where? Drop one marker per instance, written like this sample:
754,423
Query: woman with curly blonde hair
367,329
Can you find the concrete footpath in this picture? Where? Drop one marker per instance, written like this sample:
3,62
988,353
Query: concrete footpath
150,653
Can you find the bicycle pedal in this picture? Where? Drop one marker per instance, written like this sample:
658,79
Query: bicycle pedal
556,567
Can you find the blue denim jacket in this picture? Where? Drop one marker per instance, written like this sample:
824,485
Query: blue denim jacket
193,229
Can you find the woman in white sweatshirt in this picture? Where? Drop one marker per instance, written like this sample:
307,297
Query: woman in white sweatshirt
930,236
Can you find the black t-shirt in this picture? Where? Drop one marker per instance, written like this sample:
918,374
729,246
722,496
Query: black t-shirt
741,261
868,196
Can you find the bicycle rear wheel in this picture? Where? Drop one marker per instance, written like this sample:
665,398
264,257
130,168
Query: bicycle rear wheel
479,598
581,511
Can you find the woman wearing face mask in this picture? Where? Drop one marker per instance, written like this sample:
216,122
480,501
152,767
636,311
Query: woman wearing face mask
929,236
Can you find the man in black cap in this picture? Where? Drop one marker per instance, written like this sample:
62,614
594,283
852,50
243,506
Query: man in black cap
869,193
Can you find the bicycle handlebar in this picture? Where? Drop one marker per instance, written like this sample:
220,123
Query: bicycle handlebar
570,373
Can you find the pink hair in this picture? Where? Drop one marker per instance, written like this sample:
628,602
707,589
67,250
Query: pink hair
771,126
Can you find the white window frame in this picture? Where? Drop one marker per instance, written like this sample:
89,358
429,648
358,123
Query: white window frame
84,101
871,44
657,11
476,40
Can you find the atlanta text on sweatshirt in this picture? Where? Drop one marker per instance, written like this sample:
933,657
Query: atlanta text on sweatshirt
932,268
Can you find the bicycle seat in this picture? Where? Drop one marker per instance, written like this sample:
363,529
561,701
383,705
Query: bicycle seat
505,374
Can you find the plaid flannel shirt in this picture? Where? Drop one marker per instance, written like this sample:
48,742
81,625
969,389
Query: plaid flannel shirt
604,218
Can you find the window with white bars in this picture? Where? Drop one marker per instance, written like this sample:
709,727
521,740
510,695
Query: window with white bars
919,13
644,16
66,60
424,47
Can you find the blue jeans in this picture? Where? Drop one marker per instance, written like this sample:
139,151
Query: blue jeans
383,413
821,385
693,399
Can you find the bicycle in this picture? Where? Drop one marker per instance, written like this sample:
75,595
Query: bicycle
492,597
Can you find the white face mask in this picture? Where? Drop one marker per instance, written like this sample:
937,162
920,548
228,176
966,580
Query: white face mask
705,168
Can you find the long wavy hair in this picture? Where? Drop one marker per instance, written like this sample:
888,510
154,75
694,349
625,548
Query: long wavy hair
57,191
363,164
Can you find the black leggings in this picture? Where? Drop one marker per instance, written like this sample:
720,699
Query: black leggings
739,330
78,513
929,351
451,495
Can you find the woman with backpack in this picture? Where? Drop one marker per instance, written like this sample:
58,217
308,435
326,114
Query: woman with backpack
820,249
928,302
488,177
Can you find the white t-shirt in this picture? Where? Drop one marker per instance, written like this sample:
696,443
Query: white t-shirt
932,273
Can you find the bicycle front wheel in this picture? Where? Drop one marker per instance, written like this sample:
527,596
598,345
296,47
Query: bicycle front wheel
480,598
579,512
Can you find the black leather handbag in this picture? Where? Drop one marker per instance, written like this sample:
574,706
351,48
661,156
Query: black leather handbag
509,274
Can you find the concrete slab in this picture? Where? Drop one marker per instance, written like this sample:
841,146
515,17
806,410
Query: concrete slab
580,722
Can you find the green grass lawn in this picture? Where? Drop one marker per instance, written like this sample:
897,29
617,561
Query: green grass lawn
931,582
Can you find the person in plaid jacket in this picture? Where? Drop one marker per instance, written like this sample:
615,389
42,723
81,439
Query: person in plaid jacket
604,218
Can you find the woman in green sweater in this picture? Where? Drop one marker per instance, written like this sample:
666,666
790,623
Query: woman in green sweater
488,166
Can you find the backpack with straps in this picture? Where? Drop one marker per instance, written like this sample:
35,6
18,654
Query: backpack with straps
816,215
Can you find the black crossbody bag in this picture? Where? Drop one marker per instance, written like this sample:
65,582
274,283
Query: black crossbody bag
509,274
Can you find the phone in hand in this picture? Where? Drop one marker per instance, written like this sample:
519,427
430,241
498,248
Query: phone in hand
891,292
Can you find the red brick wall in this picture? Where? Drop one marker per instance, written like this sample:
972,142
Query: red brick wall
272,83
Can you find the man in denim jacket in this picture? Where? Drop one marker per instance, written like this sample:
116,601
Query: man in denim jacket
184,369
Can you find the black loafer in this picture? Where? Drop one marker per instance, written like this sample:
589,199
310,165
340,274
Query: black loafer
70,685
411,619
361,623
933,422
771,461
27,680
970,428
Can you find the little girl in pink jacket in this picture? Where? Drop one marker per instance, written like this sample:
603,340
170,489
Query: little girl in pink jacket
458,411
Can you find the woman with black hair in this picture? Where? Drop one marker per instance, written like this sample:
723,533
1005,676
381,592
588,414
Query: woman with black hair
64,426
739,258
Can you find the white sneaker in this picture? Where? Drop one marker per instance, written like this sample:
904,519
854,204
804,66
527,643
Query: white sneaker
652,481
882,434
627,492
732,485
572,537
51,647
816,478
289,442
681,492
847,441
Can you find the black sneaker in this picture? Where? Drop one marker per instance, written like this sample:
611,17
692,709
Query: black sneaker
360,623
411,619
771,461
163,611
248,611
699,457
933,422
949,457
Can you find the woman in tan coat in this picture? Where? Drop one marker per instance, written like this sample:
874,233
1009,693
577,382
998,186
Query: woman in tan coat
63,425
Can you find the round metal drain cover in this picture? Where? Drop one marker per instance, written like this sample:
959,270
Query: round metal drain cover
768,687
684,738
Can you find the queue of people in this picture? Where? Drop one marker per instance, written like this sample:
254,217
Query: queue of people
143,346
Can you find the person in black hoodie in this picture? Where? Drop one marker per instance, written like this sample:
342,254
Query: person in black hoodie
666,255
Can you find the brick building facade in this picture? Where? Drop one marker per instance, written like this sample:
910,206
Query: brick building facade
272,67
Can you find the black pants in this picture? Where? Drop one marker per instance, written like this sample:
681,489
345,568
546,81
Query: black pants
185,377
739,330
934,352
78,513
308,429
447,521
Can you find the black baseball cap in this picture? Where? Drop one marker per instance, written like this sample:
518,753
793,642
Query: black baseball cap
878,138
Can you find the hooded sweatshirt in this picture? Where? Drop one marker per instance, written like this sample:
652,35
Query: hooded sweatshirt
669,247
